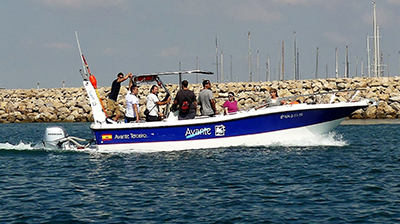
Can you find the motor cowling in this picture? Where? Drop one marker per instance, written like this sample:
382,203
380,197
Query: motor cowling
54,137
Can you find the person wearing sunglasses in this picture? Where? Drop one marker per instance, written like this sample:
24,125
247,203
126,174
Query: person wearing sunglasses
230,106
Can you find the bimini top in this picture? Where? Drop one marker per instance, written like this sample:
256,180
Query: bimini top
149,77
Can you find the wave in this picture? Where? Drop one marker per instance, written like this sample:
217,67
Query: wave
329,139
20,146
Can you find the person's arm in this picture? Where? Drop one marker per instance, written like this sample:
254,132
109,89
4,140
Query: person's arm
130,82
225,106
193,99
213,106
174,106
135,108
164,102
124,78
199,101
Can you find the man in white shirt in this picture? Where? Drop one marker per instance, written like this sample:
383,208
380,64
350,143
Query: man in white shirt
153,102
132,103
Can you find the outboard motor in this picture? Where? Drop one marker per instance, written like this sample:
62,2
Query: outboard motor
55,137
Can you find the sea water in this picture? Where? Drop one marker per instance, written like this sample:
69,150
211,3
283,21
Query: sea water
349,176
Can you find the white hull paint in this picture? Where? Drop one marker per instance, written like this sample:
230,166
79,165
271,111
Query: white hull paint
262,139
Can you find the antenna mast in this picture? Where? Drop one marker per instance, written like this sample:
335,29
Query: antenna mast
216,57
376,53
250,72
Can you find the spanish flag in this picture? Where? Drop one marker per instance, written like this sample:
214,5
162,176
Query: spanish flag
106,137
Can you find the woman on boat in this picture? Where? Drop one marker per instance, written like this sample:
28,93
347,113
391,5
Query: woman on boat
274,99
230,106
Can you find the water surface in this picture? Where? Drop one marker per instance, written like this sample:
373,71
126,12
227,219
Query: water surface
350,176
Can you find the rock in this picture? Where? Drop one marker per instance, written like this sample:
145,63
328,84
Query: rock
67,104
70,118
391,99
370,113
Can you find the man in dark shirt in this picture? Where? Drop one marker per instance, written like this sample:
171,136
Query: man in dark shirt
112,105
186,100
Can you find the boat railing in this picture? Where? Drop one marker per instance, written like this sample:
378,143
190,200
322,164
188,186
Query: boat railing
327,97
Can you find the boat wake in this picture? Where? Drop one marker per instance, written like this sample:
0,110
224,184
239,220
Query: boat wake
21,146
329,139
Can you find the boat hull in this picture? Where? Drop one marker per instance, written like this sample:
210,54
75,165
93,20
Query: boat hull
252,128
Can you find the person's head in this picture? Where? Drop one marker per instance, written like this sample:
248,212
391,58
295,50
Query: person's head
231,96
185,83
207,84
273,92
120,75
134,89
154,89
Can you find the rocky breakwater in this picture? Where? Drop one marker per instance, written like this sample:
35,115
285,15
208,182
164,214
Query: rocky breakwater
72,104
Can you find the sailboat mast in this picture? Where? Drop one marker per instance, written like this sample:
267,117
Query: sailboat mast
336,64
248,40
375,42
216,56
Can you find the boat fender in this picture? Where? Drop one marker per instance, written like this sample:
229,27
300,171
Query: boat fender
93,81
294,102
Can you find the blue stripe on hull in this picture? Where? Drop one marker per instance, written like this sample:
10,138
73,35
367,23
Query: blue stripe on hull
243,126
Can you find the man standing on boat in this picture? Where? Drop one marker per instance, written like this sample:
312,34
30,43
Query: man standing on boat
112,105
206,100
186,100
152,104
132,103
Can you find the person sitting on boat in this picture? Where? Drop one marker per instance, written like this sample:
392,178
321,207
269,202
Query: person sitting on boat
112,105
152,103
230,106
186,100
274,100
206,100
132,103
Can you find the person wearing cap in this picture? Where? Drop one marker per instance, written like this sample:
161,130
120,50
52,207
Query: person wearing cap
230,106
206,100
112,105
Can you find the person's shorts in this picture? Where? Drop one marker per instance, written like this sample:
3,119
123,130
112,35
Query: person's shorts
112,108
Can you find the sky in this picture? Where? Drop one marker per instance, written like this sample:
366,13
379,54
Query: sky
38,45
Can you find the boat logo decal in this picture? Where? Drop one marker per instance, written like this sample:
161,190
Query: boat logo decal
106,137
190,133
130,136
220,130
288,116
